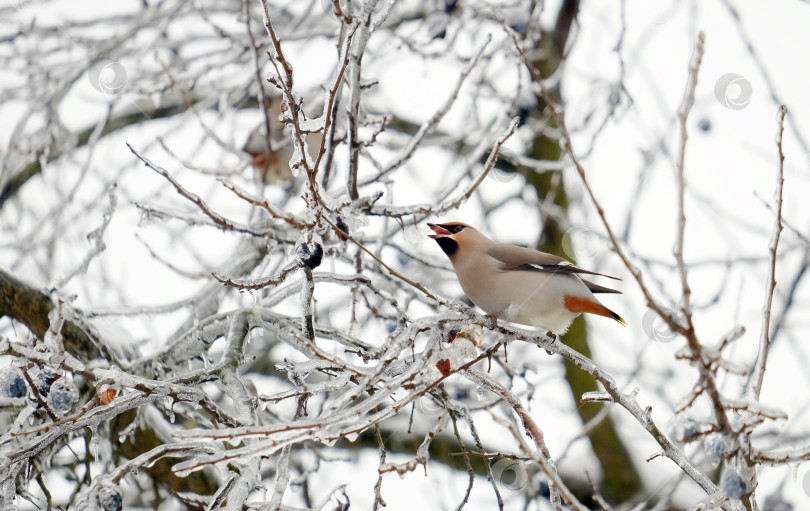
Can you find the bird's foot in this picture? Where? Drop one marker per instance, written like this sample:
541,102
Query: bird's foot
494,319
554,339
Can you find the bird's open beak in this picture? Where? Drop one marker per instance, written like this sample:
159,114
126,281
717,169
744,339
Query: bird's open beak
438,231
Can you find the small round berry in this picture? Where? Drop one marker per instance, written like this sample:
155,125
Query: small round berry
311,258
733,485
109,499
715,444
12,382
63,396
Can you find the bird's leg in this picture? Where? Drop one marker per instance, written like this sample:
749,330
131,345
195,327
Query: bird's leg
554,339
494,319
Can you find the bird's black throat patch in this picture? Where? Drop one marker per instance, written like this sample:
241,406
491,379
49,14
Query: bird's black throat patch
448,245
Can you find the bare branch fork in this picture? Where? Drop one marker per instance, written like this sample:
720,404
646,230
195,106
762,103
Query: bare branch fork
284,71
195,199
430,124
541,456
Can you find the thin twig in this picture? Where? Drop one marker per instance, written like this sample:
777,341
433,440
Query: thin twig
263,99
542,456
265,204
420,287
307,304
331,107
260,283
284,71
467,463
683,116
222,222
764,334
431,123
450,203
378,500
356,114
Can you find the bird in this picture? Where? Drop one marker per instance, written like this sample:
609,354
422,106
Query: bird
519,284
272,162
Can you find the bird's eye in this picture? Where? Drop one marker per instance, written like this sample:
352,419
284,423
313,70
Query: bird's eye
455,228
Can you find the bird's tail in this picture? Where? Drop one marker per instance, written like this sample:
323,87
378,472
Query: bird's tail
582,304
616,317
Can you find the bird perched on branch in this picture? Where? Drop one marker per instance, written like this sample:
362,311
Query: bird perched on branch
519,284
271,156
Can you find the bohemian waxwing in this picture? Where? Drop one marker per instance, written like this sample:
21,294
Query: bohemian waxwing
273,163
519,284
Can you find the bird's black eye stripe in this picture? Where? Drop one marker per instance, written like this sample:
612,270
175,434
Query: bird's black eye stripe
453,228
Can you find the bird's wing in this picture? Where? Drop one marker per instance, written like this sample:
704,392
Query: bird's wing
596,288
515,258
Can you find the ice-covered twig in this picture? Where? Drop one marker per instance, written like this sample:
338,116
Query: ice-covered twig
683,116
542,455
422,453
434,120
258,283
222,222
627,401
263,203
780,457
356,114
765,334
430,294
